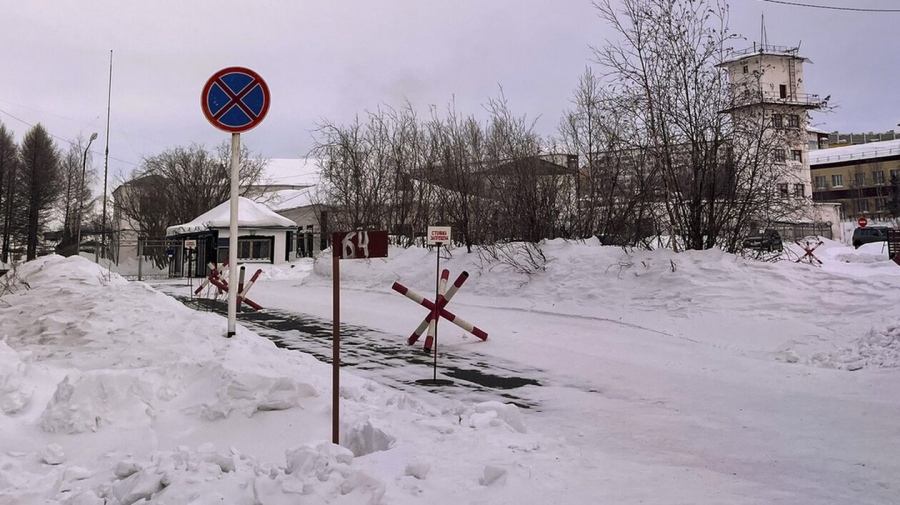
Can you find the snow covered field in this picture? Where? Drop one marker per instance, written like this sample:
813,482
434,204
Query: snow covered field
699,378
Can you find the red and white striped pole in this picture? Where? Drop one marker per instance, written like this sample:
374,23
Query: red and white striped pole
432,325
444,300
442,312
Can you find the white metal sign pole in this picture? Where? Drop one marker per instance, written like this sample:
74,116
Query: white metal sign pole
233,234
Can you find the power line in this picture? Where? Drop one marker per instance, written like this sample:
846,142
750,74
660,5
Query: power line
829,7
60,138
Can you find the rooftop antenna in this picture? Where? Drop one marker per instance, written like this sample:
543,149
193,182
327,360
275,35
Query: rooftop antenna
763,37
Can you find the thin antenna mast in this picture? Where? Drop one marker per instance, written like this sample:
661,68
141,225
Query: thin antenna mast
106,158
763,36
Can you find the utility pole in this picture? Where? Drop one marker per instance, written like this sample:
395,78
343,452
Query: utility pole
106,158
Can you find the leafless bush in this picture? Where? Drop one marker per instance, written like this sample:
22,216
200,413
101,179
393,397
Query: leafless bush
522,257
11,281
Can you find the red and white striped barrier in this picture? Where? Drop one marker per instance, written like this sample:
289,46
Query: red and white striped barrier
218,278
808,251
443,299
222,275
438,310
242,294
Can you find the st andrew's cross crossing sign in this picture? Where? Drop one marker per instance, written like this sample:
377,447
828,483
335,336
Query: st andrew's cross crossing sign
235,99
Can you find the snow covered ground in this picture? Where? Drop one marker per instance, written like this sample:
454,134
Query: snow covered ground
698,377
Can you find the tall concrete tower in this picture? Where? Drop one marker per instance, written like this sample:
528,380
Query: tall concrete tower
767,87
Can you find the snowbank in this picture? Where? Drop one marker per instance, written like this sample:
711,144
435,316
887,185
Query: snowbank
112,392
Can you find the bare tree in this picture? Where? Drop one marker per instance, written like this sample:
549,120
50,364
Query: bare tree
583,132
75,202
616,184
529,190
357,171
456,159
406,155
708,173
179,184
484,180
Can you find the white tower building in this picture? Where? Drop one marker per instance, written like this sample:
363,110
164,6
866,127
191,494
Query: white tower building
768,90
767,84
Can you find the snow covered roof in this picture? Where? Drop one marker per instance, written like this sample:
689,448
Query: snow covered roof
250,215
855,152
291,198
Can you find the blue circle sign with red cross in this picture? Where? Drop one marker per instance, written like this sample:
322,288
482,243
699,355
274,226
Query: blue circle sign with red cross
235,99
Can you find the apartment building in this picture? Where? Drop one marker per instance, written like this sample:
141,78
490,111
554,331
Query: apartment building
862,178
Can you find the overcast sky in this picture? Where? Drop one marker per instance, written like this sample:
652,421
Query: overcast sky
336,58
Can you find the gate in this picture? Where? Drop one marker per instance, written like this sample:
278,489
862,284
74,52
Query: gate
893,243
791,232
160,258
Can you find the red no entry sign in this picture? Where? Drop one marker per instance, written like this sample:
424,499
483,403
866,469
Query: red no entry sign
235,99
862,222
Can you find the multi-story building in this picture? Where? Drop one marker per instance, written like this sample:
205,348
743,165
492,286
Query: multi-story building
768,90
862,178
767,84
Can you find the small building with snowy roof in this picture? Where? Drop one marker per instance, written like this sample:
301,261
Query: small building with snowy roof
263,235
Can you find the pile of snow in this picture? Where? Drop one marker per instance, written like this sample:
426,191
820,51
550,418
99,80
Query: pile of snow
111,392
877,349
697,377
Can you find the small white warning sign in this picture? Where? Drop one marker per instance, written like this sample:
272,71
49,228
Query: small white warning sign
438,235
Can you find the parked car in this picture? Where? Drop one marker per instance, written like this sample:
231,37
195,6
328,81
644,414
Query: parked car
868,234
764,240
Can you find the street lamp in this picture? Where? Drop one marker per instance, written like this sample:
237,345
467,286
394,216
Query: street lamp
81,192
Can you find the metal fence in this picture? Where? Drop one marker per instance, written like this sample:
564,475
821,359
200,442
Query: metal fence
143,258
795,231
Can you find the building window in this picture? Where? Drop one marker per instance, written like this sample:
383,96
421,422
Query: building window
878,177
797,155
880,205
863,205
782,90
820,182
895,174
783,189
777,120
799,190
746,69
779,155
837,181
859,179
255,248
793,121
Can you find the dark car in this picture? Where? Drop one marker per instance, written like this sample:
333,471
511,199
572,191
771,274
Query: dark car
764,240
869,234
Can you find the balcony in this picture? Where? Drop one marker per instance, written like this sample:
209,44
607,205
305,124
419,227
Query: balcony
747,98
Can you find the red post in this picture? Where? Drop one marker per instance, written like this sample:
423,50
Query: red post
336,347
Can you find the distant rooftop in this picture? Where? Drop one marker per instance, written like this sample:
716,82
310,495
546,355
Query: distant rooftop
838,138
855,152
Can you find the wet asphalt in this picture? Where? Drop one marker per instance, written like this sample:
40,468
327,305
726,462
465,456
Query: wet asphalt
386,358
